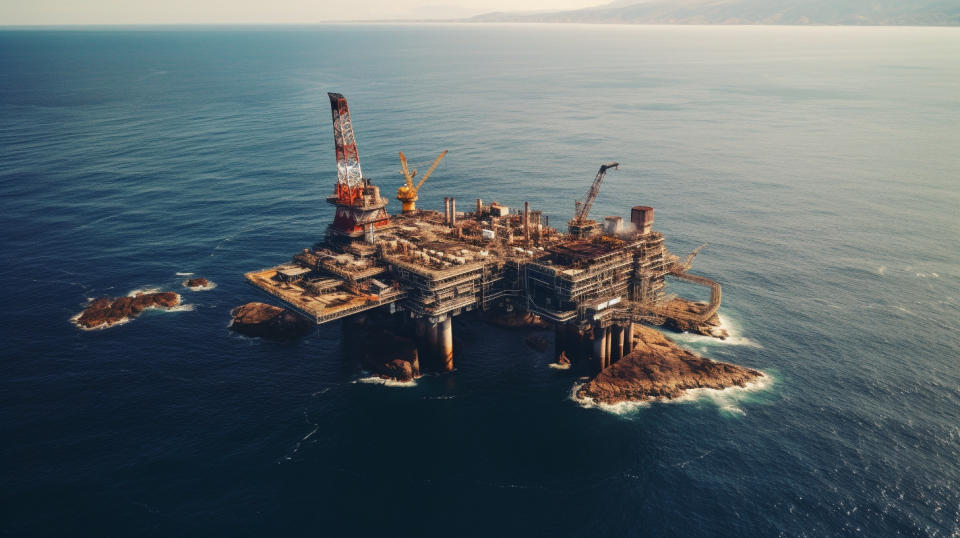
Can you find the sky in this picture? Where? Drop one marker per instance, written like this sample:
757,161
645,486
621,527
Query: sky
42,12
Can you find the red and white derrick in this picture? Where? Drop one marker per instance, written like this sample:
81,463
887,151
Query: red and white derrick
349,176
360,208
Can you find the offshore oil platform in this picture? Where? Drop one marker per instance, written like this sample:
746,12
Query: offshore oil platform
593,282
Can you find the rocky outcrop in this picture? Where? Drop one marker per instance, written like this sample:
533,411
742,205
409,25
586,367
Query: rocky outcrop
199,282
268,321
108,311
658,368
711,327
380,344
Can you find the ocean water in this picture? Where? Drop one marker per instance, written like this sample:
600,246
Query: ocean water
820,164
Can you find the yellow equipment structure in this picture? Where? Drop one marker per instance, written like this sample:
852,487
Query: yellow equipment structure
407,194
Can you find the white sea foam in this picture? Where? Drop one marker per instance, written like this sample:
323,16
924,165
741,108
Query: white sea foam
387,382
184,274
178,308
557,366
734,338
727,400
882,269
138,291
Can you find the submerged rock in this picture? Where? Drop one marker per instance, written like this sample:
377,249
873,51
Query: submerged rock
658,368
199,282
537,342
108,311
711,327
268,321
398,369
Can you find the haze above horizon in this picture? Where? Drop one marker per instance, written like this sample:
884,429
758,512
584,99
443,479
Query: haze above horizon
143,12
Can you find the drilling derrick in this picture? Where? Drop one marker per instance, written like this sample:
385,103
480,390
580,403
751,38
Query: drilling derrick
360,208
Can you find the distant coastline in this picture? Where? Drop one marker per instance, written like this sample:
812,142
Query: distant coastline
464,22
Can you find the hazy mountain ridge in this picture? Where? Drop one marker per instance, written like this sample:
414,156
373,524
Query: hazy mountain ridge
852,12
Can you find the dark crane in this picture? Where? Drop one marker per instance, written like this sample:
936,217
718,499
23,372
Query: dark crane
583,208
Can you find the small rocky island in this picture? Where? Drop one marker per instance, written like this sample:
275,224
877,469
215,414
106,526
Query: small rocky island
657,368
108,311
269,322
198,284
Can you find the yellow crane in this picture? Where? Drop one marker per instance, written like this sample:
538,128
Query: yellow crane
407,194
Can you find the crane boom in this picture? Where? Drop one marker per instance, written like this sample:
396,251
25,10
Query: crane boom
430,170
583,208
687,263
406,171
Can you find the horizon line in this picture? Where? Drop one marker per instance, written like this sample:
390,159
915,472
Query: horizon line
451,21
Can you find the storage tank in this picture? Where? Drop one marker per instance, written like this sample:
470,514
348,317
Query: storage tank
642,218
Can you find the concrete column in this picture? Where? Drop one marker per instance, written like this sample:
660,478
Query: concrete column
628,339
446,210
453,211
479,207
608,341
433,346
415,361
616,352
445,334
600,348
420,331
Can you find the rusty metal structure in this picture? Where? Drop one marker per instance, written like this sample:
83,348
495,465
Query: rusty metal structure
580,225
593,284
360,208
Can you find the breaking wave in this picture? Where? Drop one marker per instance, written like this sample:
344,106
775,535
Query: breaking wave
735,337
138,291
374,380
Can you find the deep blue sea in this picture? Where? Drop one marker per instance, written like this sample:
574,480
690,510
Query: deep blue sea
822,166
